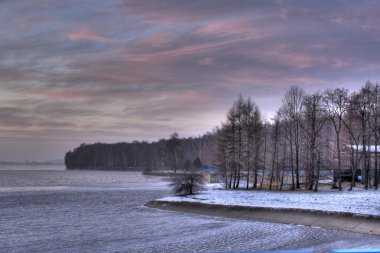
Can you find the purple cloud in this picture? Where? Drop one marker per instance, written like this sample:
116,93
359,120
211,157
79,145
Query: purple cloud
87,71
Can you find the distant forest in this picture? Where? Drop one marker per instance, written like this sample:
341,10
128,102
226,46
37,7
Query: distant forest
310,137
173,154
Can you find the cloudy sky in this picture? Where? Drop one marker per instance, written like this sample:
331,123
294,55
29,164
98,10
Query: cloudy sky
109,71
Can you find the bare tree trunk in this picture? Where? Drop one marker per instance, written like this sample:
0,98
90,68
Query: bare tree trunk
265,156
364,150
283,165
248,159
318,172
339,161
311,172
297,147
254,186
353,169
376,141
230,183
226,171
274,155
307,171
235,177
292,161
239,153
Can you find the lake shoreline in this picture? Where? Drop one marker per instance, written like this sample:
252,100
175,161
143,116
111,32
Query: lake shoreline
359,223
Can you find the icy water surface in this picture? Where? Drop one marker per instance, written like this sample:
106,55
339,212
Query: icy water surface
31,167
95,211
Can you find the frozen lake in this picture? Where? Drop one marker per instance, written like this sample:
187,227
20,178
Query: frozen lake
98,211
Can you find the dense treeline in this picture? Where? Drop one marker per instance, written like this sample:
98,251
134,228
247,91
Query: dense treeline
311,135
174,153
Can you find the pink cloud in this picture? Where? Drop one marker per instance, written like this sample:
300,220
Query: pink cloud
184,50
233,28
283,13
208,61
158,39
220,28
338,63
58,94
283,55
86,34
191,96
318,46
159,45
340,21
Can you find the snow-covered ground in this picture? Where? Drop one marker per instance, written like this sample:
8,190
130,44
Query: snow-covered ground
358,201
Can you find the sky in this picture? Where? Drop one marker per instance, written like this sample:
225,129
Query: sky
75,72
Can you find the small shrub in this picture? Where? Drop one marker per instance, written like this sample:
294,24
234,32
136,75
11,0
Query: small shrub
187,183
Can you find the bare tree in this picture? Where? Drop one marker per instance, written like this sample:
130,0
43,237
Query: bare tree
361,104
187,183
292,112
376,128
266,126
173,154
315,117
232,145
255,134
352,125
336,103
275,140
239,143
223,155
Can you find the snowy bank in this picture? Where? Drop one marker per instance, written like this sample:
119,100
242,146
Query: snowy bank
356,211
355,202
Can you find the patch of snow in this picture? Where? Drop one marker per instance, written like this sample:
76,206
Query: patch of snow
214,186
358,201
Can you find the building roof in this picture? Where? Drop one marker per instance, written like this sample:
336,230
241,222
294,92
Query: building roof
369,148
210,170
